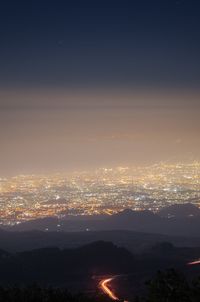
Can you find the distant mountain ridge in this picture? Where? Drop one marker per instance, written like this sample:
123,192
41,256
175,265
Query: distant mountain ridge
180,210
183,220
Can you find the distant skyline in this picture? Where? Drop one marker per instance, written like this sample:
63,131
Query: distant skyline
90,84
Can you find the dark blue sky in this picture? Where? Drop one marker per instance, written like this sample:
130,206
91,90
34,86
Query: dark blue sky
100,43
97,83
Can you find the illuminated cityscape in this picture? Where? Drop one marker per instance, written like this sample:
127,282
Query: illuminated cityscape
100,151
104,191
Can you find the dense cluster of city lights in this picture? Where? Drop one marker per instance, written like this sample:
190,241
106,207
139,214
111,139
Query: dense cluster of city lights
104,191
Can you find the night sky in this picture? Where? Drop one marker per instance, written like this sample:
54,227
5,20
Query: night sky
86,84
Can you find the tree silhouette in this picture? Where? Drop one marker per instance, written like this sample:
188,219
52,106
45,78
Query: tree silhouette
169,286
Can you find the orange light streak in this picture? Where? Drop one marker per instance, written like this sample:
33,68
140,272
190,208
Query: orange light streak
106,290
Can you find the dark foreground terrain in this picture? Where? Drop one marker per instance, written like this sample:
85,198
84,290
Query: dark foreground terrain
81,269
167,286
78,261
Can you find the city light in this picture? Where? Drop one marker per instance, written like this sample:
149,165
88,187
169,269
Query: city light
104,191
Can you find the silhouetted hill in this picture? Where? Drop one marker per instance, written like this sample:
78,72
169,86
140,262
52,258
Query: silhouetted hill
129,219
180,210
136,242
44,224
129,215
57,267
52,265
139,221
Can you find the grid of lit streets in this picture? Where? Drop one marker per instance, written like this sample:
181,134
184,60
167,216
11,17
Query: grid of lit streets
104,191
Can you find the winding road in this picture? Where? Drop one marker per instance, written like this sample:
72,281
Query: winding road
104,286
